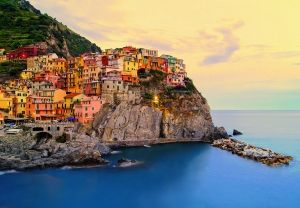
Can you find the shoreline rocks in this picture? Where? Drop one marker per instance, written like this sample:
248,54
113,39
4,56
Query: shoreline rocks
258,154
23,152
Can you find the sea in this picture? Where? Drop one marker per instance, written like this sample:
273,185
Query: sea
175,175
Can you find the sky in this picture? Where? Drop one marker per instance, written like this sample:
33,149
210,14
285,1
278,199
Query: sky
241,54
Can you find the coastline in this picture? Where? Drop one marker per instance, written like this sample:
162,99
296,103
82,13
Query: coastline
85,151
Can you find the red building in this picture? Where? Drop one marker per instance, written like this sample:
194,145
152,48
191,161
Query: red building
25,52
130,78
104,60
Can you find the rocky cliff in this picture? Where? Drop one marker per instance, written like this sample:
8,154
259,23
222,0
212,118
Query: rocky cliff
177,117
23,152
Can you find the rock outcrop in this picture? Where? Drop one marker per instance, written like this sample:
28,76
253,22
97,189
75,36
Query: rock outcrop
23,152
185,118
126,163
245,150
236,132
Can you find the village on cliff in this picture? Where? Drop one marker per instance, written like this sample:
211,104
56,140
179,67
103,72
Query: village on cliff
74,89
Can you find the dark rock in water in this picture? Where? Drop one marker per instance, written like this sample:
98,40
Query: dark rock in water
125,163
245,150
236,132
220,133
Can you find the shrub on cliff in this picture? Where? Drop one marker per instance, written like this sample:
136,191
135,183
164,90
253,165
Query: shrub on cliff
12,68
62,138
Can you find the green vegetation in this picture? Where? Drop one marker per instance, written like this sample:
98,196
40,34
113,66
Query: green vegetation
21,24
157,78
62,138
24,128
148,96
12,67
190,85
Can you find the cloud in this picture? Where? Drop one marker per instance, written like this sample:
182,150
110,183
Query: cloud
221,45
286,54
153,42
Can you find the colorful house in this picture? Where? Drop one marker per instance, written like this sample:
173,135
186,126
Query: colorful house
20,103
1,118
86,109
27,74
6,102
148,52
40,108
175,79
3,57
171,62
130,66
58,65
38,63
69,101
24,52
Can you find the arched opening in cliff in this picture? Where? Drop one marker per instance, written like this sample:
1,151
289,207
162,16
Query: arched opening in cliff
42,137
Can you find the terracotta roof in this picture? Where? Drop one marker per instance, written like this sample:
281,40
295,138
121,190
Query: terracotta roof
72,95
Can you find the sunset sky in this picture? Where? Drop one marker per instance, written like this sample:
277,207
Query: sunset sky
241,54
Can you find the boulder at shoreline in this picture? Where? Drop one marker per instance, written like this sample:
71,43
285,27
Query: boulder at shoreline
236,132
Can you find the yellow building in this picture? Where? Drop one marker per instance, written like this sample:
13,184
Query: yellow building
3,58
131,66
20,103
68,100
58,65
6,103
27,74
75,75
59,95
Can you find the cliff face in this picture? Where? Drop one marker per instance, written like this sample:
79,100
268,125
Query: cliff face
187,119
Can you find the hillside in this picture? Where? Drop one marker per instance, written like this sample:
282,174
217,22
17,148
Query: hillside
22,24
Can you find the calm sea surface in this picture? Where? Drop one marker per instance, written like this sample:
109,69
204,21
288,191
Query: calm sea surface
179,175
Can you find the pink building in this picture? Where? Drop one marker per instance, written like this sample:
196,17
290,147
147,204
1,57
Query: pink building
86,109
47,76
176,79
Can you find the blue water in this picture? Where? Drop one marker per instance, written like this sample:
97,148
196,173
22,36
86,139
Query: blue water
178,175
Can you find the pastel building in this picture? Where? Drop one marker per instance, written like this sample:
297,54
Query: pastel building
176,79
86,109
148,52
115,89
69,101
3,57
171,62
20,103
58,65
25,52
6,102
45,106
130,69
40,108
